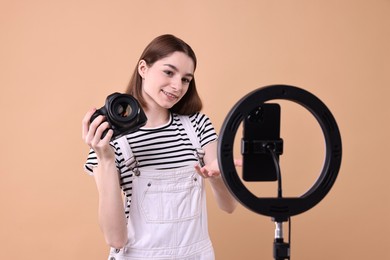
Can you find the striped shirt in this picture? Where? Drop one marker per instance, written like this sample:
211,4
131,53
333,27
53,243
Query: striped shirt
164,147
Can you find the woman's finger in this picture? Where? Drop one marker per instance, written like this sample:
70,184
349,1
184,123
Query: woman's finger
85,122
97,137
93,127
238,162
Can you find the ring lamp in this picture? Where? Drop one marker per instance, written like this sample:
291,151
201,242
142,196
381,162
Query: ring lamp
280,208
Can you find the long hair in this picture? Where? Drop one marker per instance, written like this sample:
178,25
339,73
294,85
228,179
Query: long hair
159,48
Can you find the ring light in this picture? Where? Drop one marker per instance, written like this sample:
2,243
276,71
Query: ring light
280,208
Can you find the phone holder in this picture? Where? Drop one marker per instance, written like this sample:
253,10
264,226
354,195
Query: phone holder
261,146
280,208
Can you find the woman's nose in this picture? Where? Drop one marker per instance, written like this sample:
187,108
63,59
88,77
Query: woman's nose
176,83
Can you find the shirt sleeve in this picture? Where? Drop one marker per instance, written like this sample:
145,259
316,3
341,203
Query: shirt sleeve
204,128
92,160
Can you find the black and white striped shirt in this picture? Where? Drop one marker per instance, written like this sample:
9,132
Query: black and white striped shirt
164,147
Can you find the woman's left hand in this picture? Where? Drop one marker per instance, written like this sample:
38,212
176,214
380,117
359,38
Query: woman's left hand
211,169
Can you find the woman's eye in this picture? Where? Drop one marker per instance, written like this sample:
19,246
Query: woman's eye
168,72
186,80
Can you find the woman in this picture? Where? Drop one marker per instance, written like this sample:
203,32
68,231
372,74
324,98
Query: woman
165,213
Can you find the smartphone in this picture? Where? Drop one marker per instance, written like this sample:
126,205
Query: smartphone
261,128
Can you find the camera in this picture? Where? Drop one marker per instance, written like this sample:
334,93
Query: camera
123,113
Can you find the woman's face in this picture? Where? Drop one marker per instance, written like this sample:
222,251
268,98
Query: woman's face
167,80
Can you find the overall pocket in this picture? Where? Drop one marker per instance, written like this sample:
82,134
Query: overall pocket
165,201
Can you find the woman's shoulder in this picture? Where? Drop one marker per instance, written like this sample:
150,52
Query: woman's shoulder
200,121
195,117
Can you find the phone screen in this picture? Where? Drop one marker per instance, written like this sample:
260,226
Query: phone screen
262,125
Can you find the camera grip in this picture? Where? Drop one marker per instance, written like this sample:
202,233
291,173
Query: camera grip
100,112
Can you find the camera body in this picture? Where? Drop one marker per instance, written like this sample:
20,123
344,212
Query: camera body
123,113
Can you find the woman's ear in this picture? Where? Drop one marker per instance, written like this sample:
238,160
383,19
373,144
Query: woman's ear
142,67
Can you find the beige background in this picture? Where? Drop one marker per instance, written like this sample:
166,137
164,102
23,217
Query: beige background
60,58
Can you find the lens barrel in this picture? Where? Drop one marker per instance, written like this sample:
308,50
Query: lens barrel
123,113
122,109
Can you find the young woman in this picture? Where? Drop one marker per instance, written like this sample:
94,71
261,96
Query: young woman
164,216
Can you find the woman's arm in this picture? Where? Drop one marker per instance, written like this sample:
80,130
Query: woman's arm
112,218
211,171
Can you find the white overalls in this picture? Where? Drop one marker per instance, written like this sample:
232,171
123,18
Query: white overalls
167,217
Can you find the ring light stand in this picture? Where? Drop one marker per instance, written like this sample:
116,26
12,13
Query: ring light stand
280,208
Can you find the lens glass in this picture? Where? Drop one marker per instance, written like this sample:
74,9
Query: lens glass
123,110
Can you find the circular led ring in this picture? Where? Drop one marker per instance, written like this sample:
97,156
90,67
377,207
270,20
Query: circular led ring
280,208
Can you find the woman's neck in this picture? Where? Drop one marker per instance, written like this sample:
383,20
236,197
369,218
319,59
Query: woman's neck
156,117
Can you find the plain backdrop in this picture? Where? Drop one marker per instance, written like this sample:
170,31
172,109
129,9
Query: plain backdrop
58,59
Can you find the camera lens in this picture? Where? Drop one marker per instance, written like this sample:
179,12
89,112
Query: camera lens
123,109
123,113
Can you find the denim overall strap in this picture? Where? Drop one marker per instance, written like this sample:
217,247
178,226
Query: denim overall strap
128,169
186,122
128,156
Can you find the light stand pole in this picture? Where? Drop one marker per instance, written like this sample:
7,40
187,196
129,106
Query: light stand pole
281,248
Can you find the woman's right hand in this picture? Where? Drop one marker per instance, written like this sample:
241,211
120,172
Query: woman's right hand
92,136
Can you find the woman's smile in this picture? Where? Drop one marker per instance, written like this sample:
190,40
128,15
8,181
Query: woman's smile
169,95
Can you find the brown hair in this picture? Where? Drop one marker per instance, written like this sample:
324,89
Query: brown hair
159,48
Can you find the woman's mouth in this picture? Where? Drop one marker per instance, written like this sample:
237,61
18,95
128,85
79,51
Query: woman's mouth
169,95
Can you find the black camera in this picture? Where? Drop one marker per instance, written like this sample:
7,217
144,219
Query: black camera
123,113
